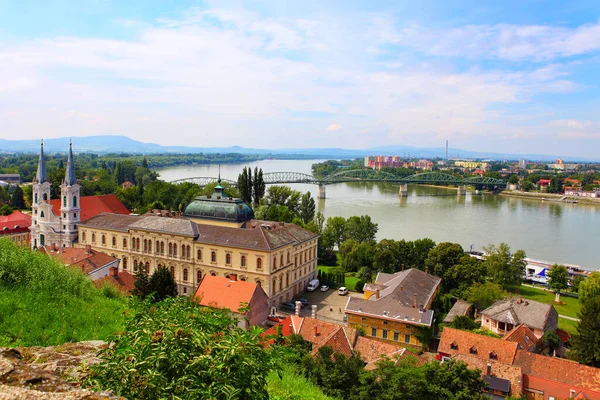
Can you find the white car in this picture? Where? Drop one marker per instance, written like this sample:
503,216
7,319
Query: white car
324,288
343,291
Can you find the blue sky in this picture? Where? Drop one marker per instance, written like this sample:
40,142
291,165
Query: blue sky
509,76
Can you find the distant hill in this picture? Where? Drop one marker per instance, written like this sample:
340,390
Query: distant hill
123,144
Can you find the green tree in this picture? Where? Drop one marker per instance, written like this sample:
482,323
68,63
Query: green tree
556,185
464,323
558,279
586,343
590,287
467,272
577,279
259,185
504,268
514,179
5,209
179,350
17,200
245,185
528,185
162,284
141,286
361,229
335,230
307,208
441,260
484,295
551,340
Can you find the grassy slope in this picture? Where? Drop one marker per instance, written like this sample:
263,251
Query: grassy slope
43,303
292,386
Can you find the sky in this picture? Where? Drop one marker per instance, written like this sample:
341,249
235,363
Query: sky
497,76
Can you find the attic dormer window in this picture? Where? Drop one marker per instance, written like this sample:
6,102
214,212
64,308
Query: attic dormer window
493,355
454,346
473,350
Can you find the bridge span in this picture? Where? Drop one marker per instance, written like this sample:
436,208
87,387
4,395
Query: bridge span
364,175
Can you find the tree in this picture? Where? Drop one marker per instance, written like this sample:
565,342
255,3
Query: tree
551,340
335,230
586,344
577,279
484,295
259,185
5,209
504,268
514,179
245,185
558,279
467,272
528,186
464,323
590,287
307,208
17,200
441,260
361,228
556,185
141,286
163,284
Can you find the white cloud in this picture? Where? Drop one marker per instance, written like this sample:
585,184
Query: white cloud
334,127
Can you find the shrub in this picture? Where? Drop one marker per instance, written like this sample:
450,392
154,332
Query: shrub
177,349
465,323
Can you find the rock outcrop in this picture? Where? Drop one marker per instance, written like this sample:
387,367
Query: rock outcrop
52,373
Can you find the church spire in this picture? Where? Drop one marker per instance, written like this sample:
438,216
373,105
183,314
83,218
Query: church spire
41,176
70,171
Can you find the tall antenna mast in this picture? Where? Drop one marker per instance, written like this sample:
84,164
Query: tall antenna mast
446,149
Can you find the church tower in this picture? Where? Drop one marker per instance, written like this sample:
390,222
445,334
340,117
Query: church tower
41,208
70,208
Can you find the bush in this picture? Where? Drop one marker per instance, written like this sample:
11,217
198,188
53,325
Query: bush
42,303
359,286
177,349
465,323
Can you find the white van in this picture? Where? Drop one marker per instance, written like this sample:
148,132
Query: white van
343,291
312,285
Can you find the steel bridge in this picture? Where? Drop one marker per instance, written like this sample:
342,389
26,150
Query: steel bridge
364,175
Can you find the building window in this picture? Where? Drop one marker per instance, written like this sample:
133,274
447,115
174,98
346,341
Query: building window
287,279
93,238
406,338
374,332
64,201
198,276
174,250
173,271
199,255
74,201
363,319
274,285
454,346
162,248
243,261
281,261
274,262
42,214
124,262
170,249
103,240
83,236
64,215
288,257
385,322
75,215
228,259
149,246
185,274
384,334
124,243
396,336
114,240
213,256
184,290
259,264
35,198
493,355
473,350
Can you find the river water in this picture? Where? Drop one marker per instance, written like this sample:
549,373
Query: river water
555,232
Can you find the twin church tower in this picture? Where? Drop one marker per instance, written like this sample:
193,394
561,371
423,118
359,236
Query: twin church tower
55,227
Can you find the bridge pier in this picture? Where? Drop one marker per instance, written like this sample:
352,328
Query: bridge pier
462,190
321,191
403,192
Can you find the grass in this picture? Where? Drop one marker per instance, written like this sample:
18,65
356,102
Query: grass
570,306
567,325
42,303
350,281
292,386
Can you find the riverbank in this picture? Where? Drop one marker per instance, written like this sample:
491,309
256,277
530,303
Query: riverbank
550,197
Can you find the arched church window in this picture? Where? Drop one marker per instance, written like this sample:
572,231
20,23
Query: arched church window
93,238
185,274
114,241
103,240
35,198
42,214
45,196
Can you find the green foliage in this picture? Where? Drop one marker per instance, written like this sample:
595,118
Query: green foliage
5,209
177,349
141,286
245,185
552,340
576,283
361,229
307,208
586,343
484,295
465,323
162,284
258,185
590,287
42,303
558,278
514,179
17,200
289,384
485,332
556,185
503,267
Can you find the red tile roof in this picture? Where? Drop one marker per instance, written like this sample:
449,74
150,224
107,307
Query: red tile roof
94,205
123,281
81,258
9,223
218,292
523,336
464,341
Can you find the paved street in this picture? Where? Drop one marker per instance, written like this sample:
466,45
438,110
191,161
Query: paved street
329,304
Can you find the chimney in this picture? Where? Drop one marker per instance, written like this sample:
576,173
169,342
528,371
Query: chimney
313,313
423,283
489,369
415,301
88,249
316,331
402,267
377,293
298,307
426,270
421,308
113,271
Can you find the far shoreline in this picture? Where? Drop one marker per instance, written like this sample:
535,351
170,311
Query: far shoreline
552,197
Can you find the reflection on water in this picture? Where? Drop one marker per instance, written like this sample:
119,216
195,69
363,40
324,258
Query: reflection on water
547,230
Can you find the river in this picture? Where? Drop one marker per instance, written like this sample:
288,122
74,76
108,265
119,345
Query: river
555,232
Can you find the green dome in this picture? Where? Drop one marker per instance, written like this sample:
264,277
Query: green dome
219,208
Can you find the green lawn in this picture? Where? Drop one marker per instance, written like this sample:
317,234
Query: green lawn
570,306
350,281
567,325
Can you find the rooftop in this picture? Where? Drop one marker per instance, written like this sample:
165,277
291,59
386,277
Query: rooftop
221,292
94,205
123,280
523,336
461,307
517,311
87,260
219,207
16,220
455,341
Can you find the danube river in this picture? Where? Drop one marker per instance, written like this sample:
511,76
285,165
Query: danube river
556,232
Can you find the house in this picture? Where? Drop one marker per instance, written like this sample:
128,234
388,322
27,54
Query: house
395,307
16,227
342,339
246,300
127,184
504,315
523,337
508,360
543,184
93,263
122,280
11,179
459,308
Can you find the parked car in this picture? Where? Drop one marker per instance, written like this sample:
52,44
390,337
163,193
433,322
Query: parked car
288,306
312,285
343,291
324,288
304,302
